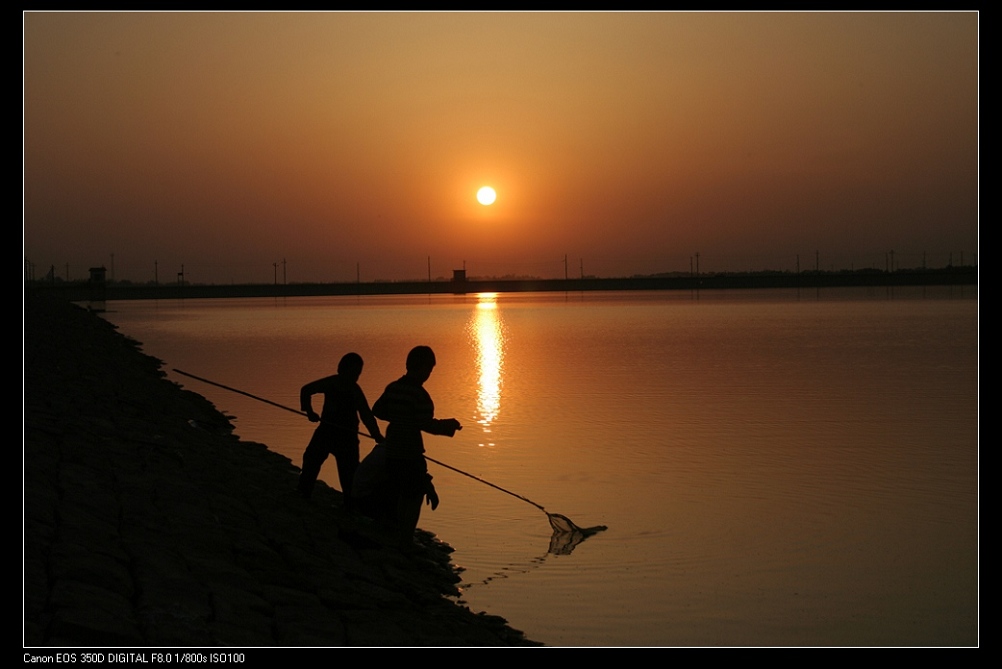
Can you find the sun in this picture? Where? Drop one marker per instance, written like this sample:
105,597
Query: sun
486,196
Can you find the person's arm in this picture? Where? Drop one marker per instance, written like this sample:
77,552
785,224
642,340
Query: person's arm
306,399
403,405
445,427
365,413
412,407
379,408
431,495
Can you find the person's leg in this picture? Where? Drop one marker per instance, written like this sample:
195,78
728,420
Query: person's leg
409,478
408,514
347,464
313,459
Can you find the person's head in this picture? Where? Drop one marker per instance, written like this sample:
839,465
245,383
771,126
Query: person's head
420,362
350,366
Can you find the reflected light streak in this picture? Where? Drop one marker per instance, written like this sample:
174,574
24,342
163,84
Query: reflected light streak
485,329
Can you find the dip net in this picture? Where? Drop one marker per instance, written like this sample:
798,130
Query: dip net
567,535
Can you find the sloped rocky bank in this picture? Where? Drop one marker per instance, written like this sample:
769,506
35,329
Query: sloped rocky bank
148,523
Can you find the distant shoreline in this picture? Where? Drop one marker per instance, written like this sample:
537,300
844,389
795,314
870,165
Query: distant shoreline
949,276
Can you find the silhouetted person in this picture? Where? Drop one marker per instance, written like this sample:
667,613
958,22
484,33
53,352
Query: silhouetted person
337,434
408,408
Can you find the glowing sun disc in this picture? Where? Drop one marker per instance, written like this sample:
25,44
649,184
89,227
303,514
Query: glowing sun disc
486,196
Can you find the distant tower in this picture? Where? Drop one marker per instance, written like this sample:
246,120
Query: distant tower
96,286
459,281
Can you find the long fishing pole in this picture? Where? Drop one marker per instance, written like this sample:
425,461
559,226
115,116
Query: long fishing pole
364,434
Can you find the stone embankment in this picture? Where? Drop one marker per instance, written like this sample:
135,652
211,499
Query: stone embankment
148,523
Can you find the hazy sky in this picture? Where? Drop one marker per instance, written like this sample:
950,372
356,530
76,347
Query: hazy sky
628,142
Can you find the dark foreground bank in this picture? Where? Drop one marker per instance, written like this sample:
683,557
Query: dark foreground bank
147,523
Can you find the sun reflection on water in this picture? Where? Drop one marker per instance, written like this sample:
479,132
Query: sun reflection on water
488,336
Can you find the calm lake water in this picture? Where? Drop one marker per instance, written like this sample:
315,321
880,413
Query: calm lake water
775,467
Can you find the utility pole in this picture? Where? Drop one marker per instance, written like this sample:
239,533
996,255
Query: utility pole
565,267
275,266
285,276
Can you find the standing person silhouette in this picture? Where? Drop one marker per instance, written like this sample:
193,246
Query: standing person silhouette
408,408
337,434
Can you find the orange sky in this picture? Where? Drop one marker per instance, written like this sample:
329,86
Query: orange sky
228,142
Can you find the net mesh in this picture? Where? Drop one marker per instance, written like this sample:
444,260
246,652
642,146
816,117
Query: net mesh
567,535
